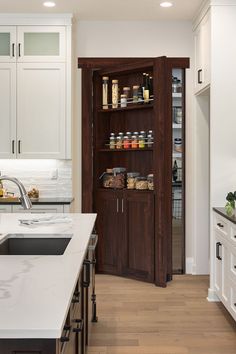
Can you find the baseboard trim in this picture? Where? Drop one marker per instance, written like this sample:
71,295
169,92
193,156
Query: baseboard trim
212,297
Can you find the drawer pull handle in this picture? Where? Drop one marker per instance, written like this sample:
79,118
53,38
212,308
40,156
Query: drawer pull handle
64,339
235,304
235,267
80,325
234,236
220,225
218,245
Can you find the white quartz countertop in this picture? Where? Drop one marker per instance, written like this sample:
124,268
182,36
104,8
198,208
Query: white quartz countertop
36,291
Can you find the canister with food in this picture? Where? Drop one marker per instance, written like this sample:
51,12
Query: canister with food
131,179
141,183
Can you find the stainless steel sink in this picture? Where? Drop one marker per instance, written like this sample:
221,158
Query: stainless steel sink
34,244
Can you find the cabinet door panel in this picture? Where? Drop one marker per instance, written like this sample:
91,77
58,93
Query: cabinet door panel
109,229
138,242
7,44
218,265
41,111
8,110
41,44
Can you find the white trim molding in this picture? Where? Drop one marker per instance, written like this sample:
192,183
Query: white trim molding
212,297
9,19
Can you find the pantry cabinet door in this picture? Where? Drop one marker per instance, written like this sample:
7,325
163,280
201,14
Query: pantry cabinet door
8,110
41,111
7,44
137,242
41,44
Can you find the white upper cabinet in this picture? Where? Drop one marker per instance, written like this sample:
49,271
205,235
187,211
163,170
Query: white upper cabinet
7,44
202,38
7,110
41,118
41,44
35,87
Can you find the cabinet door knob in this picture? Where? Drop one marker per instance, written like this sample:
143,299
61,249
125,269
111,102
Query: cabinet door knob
220,225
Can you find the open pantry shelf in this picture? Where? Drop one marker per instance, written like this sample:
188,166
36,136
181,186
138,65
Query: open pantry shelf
128,108
126,150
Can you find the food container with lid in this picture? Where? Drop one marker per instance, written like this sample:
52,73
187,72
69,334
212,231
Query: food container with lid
178,144
141,183
107,178
119,174
131,179
150,180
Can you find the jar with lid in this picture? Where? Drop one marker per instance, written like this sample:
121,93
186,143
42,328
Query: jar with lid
150,181
115,92
174,84
126,142
143,133
141,183
119,142
149,141
123,101
112,143
141,142
105,81
178,144
179,86
134,142
126,91
135,94
131,179
107,178
119,174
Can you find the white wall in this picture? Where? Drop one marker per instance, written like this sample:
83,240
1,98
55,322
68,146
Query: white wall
141,39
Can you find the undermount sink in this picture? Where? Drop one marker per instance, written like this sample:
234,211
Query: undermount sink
34,244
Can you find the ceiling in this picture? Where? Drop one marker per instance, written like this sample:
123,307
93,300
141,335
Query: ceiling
108,9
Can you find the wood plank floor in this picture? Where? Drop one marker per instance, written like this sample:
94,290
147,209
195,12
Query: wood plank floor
139,318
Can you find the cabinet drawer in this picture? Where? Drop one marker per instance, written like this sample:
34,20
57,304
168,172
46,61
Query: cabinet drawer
221,225
233,235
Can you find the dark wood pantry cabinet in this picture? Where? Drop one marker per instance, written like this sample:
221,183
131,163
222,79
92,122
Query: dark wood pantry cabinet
134,226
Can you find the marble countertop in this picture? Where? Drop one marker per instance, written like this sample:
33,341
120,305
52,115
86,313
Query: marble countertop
223,213
36,291
51,201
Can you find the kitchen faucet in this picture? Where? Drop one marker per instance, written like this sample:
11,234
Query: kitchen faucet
24,199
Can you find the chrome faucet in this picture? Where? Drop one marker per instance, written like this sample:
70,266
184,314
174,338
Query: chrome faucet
24,199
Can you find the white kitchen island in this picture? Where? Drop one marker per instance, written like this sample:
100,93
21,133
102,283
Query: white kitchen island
36,291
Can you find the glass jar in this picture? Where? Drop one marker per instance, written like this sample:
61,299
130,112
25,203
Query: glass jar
115,93
126,91
179,86
149,141
119,142
126,142
112,143
123,101
141,183
150,181
178,144
174,84
134,142
107,178
119,175
178,115
141,142
135,94
105,81
131,179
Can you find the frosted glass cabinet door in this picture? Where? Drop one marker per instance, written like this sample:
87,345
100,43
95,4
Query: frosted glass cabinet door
41,116
41,44
7,110
7,44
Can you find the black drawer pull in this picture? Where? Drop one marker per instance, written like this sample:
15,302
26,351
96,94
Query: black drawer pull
80,325
235,304
199,80
86,279
64,339
218,245
67,328
234,236
220,225
235,267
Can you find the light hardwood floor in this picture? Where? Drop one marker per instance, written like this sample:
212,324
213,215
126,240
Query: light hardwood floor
139,318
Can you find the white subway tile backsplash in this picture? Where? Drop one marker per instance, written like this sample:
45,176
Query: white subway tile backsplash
38,173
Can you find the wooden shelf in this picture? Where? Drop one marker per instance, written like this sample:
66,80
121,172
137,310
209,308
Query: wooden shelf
125,190
129,108
125,150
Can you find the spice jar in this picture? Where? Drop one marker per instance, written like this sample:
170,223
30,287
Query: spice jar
107,178
178,144
150,182
119,142
131,179
126,91
115,93
134,142
112,143
119,174
149,141
141,183
135,94
141,142
123,101
126,142
105,81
